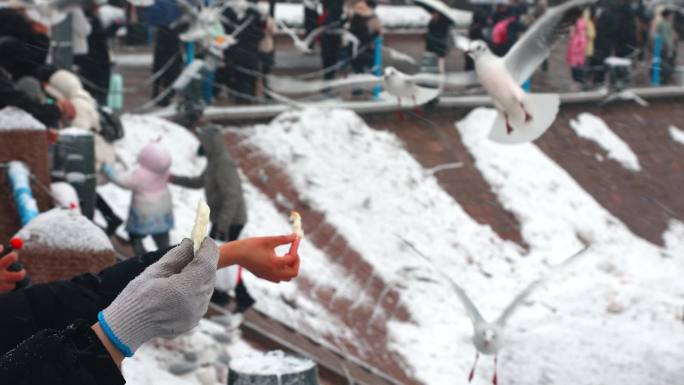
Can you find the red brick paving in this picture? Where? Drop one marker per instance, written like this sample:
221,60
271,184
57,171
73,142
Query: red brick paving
645,200
436,143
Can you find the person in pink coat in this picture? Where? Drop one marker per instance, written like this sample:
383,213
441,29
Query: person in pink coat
151,210
577,49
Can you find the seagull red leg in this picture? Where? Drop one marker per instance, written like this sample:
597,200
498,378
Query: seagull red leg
400,113
472,371
417,109
528,117
494,379
509,129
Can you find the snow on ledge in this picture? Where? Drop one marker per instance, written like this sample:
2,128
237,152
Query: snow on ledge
76,232
391,16
593,128
274,362
677,134
13,118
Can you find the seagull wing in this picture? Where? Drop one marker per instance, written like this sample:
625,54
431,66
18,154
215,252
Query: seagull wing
288,31
242,27
458,17
313,35
473,313
461,42
188,9
349,38
286,85
522,296
456,79
398,55
534,45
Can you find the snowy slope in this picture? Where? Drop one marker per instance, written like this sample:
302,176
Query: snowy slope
613,318
595,129
623,292
149,365
677,134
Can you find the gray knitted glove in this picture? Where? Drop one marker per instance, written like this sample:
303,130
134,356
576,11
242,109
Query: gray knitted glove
165,300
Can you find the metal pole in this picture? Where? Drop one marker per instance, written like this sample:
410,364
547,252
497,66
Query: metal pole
21,190
657,62
377,65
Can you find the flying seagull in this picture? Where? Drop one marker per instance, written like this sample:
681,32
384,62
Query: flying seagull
522,117
488,336
350,38
415,89
302,45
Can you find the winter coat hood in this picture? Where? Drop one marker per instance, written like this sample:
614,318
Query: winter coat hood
155,158
63,85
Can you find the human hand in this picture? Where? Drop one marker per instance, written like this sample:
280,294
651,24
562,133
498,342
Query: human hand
258,256
165,300
9,279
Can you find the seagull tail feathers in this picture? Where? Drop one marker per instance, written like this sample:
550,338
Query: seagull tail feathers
542,109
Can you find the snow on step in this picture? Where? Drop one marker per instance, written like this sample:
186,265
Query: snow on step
593,128
677,134
13,118
308,316
391,16
264,219
392,211
626,289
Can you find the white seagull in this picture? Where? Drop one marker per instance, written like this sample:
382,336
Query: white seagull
299,44
522,117
488,337
407,89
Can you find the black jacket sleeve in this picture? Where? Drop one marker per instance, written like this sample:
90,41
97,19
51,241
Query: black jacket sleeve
73,355
55,305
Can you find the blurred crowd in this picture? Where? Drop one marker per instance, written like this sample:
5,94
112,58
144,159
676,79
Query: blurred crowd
346,33
627,29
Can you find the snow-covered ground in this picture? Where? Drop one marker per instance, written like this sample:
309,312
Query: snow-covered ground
264,220
595,129
611,312
392,16
614,317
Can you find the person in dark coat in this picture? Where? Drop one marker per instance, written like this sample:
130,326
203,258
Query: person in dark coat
167,47
247,55
310,17
57,333
626,39
331,42
72,344
95,66
437,38
606,31
475,32
366,26
13,56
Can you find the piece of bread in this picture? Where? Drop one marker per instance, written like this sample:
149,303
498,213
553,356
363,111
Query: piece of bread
296,224
199,231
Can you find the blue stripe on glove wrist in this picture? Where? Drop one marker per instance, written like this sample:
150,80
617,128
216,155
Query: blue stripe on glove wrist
123,348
